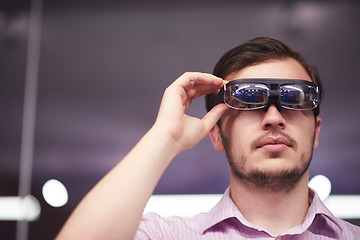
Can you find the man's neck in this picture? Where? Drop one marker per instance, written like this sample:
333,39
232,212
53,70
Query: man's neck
275,212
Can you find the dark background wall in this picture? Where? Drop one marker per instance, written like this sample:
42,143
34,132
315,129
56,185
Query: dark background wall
104,65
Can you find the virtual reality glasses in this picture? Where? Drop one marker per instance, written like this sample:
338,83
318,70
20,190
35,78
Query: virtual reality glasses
251,94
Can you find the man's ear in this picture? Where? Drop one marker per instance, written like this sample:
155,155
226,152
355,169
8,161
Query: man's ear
215,136
317,131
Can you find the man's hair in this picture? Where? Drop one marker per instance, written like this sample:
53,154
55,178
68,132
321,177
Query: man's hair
255,51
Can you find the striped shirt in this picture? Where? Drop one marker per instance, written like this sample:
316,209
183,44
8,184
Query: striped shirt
225,221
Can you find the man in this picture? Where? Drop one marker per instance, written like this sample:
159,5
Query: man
266,119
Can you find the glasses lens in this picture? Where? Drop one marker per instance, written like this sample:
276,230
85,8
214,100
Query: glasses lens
299,96
246,96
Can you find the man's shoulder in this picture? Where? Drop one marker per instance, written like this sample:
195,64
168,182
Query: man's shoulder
154,226
156,219
349,230
343,228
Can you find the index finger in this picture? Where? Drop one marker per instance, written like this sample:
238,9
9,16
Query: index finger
197,84
190,79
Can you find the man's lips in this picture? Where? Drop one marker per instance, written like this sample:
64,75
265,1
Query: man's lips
274,144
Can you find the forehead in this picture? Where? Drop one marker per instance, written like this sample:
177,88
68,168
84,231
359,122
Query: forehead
287,68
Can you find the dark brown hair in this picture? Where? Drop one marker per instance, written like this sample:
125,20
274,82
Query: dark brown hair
259,50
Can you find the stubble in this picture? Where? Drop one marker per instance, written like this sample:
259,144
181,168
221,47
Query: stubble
269,181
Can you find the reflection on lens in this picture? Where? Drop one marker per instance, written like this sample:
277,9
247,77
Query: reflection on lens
247,96
250,95
298,97
291,97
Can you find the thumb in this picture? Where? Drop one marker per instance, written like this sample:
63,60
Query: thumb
213,116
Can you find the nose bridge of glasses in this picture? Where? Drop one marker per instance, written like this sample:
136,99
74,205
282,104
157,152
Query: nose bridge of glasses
273,97
273,100
274,92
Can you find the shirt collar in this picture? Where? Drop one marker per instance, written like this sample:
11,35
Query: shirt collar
226,209
223,210
316,208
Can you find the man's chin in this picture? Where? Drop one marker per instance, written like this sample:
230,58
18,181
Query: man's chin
271,180
274,166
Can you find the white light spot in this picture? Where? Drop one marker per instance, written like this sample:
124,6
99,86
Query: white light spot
321,185
55,193
15,208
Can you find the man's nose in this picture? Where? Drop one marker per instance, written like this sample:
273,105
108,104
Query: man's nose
273,118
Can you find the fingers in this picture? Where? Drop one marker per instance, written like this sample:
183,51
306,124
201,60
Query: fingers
197,84
187,87
189,79
172,118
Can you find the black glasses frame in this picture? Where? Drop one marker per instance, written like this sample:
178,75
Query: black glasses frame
274,94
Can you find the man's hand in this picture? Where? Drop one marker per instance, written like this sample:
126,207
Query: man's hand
184,130
113,208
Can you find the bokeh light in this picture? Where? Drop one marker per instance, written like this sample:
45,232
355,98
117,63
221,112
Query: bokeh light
55,193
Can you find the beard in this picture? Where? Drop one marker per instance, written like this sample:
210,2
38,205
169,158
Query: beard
269,181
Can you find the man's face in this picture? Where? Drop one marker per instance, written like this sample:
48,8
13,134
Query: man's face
270,150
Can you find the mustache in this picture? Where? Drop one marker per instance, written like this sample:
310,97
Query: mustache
275,134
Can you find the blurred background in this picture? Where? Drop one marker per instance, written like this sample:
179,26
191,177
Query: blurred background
81,82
